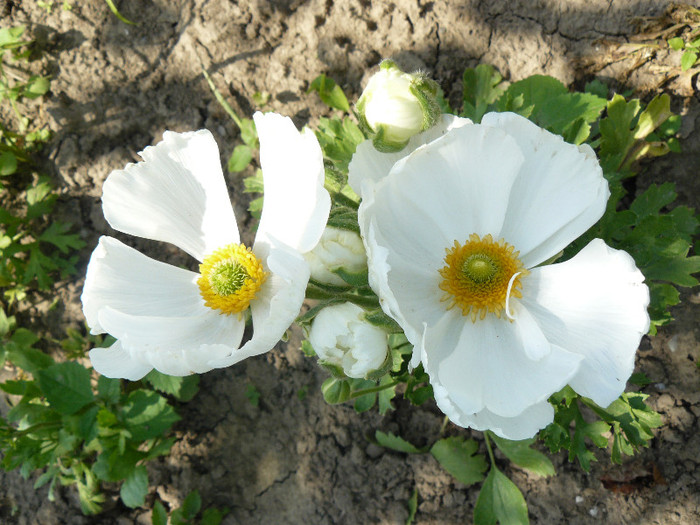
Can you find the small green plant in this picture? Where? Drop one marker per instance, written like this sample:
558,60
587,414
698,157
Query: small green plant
79,433
187,514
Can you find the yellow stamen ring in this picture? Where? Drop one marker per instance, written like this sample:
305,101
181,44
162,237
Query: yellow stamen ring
480,276
230,278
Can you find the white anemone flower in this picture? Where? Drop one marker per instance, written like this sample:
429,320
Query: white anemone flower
181,322
455,232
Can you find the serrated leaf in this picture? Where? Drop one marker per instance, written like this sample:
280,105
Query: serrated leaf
183,388
481,88
520,453
135,487
396,443
148,415
500,501
66,386
460,458
57,234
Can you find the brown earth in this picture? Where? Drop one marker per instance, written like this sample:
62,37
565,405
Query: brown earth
294,459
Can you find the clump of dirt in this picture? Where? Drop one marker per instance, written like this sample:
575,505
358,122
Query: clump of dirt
293,458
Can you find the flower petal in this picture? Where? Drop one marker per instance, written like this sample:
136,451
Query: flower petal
559,194
523,426
595,305
177,195
125,279
484,364
175,345
276,305
370,165
116,362
296,206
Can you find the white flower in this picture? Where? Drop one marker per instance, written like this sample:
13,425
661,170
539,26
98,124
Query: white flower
397,105
455,233
181,322
341,336
338,249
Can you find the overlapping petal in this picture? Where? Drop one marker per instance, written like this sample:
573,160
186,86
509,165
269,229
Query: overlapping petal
560,191
177,195
594,305
369,166
293,174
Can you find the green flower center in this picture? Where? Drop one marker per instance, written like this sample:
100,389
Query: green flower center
479,268
228,277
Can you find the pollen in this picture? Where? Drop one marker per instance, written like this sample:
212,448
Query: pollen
230,278
477,275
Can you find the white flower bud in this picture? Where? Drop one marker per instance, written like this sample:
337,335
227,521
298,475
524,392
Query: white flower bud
342,337
337,249
396,105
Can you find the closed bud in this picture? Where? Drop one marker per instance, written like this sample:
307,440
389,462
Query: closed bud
396,105
337,250
343,339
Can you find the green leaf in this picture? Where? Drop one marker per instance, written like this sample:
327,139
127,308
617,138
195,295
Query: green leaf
240,158
335,390
183,388
35,87
109,389
520,453
116,13
412,507
676,43
148,415
213,516
460,458
481,88
159,516
11,37
191,505
135,487
688,60
8,163
500,501
57,235
330,92
66,386
252,394
395,443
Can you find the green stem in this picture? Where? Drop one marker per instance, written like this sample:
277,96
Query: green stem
488,447
365,391
39,426
444,425
313,292
344,199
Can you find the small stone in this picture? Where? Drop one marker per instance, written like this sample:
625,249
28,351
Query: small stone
593,511
579,499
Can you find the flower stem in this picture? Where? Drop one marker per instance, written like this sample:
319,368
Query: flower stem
365,391
488,447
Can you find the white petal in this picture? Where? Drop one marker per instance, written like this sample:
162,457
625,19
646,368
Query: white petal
175,345
559,194
125,279
276,305
523,426
370,165
296,206
484,364
177,195
595,305
116,362
461,182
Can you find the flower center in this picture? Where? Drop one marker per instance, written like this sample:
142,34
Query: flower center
477,276
230,278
